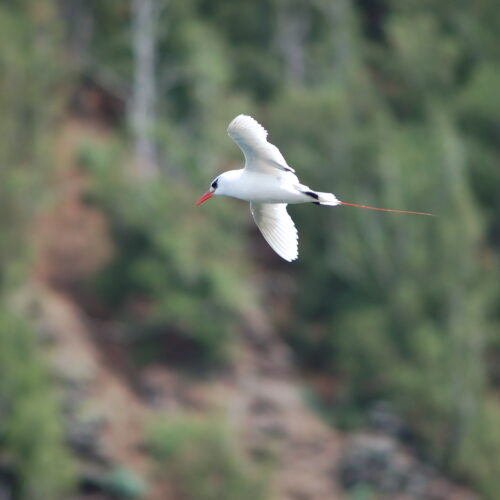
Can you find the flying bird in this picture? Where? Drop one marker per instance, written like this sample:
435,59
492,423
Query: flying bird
270,184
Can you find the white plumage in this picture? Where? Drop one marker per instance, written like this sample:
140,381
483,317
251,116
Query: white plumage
277,227
269,184
251,137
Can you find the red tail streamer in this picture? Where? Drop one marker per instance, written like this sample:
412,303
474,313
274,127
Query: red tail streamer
386,209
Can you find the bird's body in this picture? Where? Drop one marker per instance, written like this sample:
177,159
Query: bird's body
269,184
253,186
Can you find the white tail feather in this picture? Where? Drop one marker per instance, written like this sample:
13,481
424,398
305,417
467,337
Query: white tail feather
327,199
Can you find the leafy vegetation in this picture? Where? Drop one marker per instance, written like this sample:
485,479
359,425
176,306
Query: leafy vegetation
388,103
31,425
155,281
31,432
203,458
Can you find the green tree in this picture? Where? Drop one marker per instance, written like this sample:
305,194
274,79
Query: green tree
31,432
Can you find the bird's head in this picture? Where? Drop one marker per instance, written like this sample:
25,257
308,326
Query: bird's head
222,185
214,187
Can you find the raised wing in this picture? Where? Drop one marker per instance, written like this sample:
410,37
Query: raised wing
251,137
277,227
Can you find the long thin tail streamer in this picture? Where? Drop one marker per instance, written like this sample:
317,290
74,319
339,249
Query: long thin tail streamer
386,209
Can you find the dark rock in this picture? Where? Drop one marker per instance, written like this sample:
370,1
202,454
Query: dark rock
8,483
84,437
379,462
383,418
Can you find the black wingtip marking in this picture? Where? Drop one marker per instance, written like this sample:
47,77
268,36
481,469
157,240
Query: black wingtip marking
312,194
285,168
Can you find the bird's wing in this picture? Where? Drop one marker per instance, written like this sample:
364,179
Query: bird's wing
251,137
277,227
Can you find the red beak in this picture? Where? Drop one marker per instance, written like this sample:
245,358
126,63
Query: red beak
204,198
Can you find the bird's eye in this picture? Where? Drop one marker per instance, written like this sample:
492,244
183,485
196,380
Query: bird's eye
214,185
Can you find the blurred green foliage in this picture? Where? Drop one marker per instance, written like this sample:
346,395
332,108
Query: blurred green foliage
204,460
31,425
31,432
390,103
169,268
124,483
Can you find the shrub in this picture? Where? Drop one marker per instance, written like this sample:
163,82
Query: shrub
203,460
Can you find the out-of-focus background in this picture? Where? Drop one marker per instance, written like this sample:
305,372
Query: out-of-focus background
151,350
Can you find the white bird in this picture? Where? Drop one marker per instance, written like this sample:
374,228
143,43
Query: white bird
269,184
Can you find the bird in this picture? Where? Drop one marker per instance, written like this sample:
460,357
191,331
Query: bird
270,184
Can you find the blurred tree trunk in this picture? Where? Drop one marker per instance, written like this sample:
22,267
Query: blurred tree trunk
143,103
343,57
79,30
340,17
293,23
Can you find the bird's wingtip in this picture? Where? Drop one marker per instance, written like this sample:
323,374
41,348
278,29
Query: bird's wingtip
289,258
242,124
